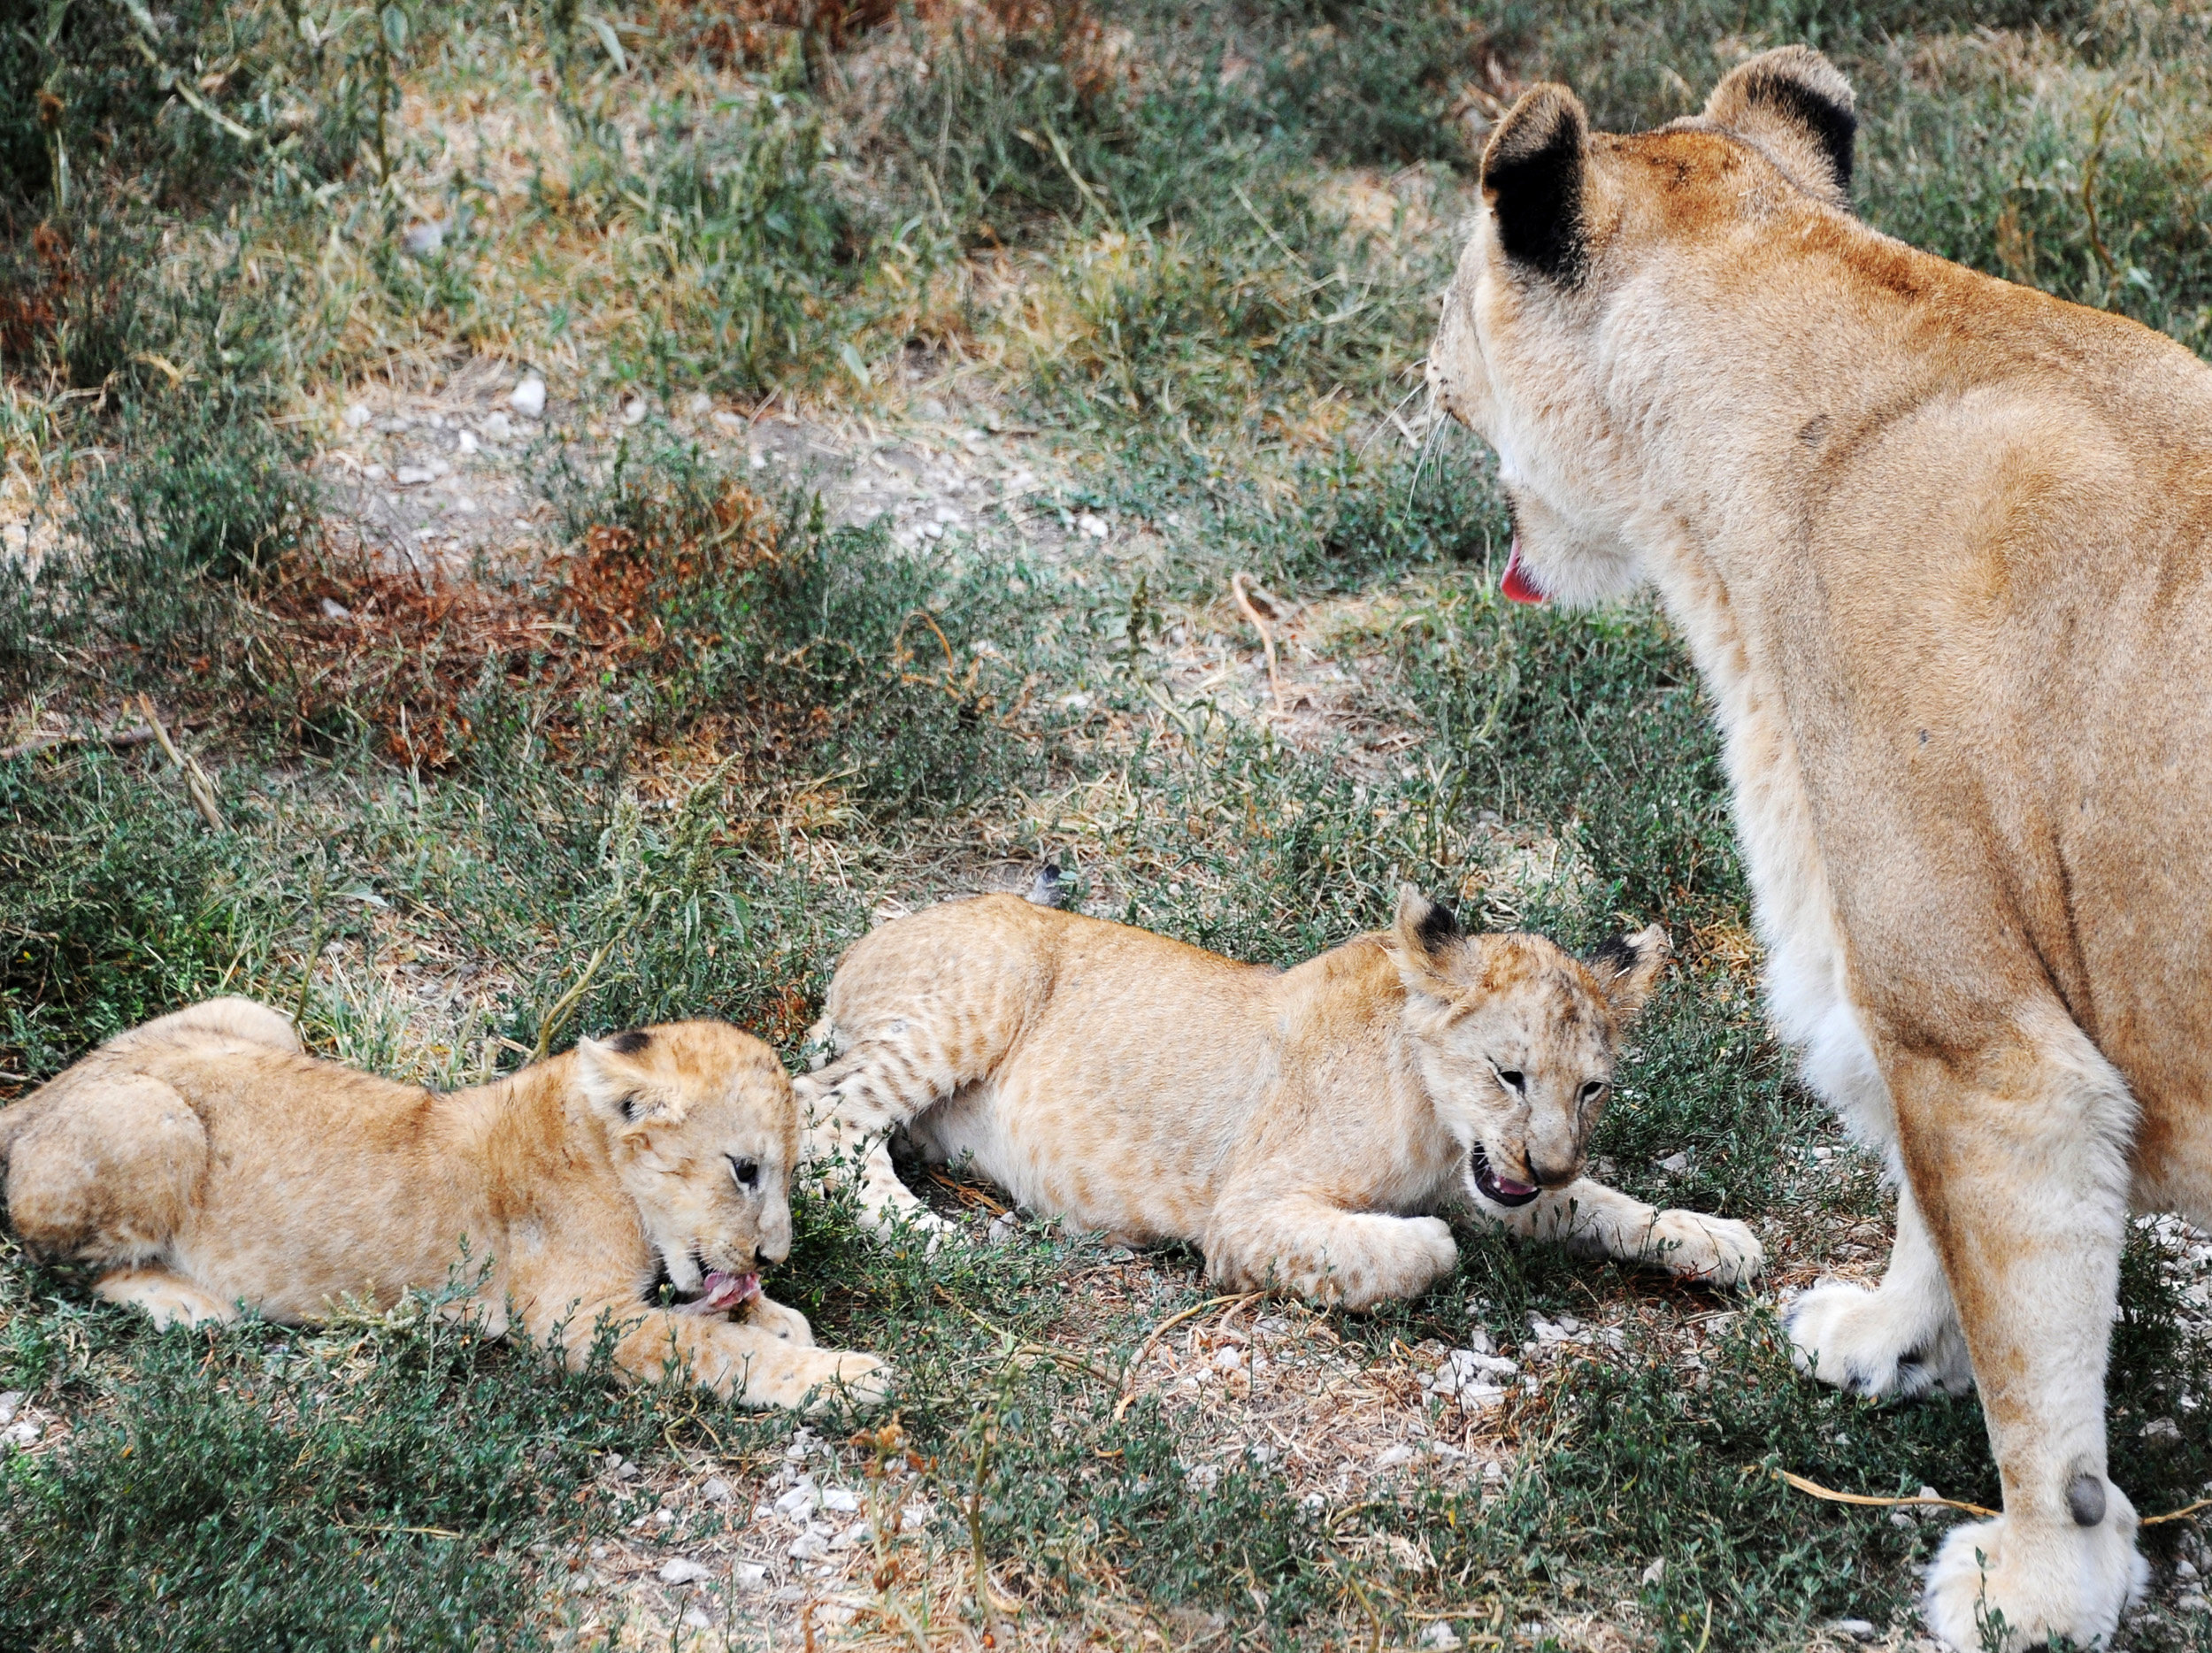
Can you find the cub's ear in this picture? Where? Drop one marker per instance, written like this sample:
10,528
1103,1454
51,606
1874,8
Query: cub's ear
1425,931
1533,171
1628,967
1797,105
620,1086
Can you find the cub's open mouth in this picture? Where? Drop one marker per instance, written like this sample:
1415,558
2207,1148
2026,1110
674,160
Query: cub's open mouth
1493,1188
719,1293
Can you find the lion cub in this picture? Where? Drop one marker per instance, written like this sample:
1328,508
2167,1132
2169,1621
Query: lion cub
206,1162
1301,1126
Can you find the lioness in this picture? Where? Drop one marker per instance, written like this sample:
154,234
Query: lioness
1939,546
1300,1126
205,1162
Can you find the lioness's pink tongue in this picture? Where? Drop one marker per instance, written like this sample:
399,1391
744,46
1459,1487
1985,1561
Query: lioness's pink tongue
1518,585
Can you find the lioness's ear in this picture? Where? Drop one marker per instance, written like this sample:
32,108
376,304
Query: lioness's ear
1532,174
1628,967
1424,930
620,1086
1798,106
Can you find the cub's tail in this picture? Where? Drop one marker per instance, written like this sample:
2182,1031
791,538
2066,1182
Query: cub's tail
1048,890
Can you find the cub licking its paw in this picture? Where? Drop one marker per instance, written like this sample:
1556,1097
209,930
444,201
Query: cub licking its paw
205,1161
1302,1126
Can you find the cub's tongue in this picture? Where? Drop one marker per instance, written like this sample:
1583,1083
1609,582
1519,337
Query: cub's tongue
1517,584
721,1293
1511,1189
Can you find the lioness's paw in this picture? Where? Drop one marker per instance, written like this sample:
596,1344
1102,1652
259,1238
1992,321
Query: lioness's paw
1863,1342
1717,1249
2038,1582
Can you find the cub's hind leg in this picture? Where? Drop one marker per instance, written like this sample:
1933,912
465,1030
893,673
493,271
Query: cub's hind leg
889,1069
1303,1244
232,1016
105,1170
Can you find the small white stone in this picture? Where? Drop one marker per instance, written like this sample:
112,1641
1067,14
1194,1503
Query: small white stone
374,472
468,442
498,427
1096,527
699,405
1003,1227
1657,1572
415,475
1857,1629
22,1434
698,1618
423,241
529,397
679,1570
10,1403
798,1503
748,1575
841,1500
930,530
1439,1635
914,1517
808,1546
715,1490
1674,1165
2162,1432
634,410
1394,1458
666,1518
357,415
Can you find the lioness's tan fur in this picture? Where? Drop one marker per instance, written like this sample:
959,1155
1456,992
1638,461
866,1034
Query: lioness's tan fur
1303,1127
1939,545
204,1161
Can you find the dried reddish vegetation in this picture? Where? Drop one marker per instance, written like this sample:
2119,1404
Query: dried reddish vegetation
752,32
408,650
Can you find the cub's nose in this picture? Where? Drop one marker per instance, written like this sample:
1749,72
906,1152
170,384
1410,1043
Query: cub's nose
1546,1175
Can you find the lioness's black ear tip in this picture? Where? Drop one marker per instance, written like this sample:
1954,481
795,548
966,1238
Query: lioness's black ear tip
1532,172
1792,89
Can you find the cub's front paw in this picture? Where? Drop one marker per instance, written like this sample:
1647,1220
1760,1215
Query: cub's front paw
862,1380
2036,1583
1867,1342
1717,1249
780,1320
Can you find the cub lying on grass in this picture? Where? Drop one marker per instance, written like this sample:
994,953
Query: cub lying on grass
205,1161
1300,1126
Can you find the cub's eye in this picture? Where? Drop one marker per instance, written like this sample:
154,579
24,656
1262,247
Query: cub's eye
746,1171
1592,1091
1512,1079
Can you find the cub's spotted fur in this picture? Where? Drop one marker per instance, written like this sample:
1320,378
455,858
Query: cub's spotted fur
204,1161
1303,1126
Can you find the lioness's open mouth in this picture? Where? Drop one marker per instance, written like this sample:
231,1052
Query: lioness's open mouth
719,1293
1497,1189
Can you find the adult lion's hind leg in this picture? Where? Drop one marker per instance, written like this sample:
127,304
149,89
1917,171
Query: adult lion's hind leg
1319,1251
2018,1159
105,1170
167,1299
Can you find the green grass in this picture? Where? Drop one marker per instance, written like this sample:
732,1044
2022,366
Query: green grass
1195,250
